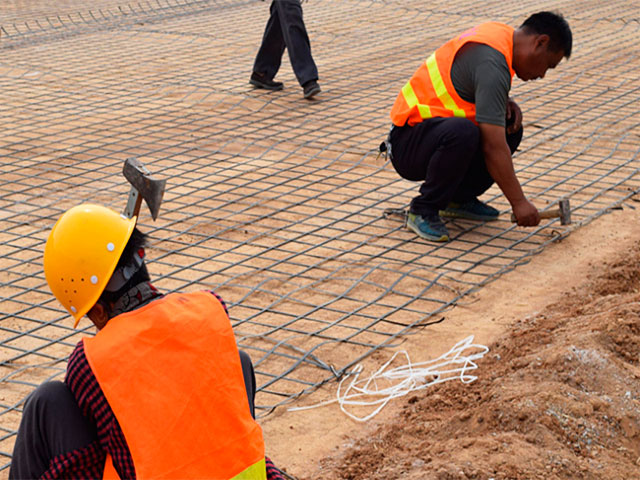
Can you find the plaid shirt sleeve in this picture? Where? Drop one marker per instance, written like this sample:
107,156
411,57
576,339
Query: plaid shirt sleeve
87,462
94,406
272,471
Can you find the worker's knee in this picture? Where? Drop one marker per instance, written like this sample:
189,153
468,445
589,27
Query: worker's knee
464,133
48,396
248,373
249,379
514,139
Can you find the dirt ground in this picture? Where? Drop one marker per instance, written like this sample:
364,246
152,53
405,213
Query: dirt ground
558,395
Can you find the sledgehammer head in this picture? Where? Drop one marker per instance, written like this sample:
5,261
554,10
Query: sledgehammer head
143,185
565,211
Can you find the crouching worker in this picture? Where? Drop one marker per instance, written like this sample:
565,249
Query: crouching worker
455,127
161,391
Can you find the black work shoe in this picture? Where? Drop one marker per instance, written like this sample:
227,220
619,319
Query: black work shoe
471,210
311,88
260,81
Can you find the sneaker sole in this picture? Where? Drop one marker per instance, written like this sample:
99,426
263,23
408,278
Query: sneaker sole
433,238
257,84
466,216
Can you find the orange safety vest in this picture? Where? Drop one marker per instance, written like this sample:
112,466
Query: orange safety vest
430,92
171,373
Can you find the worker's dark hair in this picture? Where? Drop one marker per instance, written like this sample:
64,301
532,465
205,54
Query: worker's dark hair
137,241
554,25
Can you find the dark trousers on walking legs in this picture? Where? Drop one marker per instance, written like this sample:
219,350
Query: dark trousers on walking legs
52,424
285,29
446,155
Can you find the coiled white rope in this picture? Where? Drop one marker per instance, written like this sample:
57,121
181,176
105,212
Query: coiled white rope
385,385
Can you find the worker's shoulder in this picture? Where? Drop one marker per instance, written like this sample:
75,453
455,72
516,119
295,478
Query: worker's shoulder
475,53
481,64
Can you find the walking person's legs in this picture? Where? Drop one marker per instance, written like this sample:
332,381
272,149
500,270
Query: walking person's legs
297,42
269,57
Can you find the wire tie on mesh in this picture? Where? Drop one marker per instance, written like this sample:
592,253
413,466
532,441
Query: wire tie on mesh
394,212
286,475
556,235
400,381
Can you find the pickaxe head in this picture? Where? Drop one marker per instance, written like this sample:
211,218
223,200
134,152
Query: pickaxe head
143,186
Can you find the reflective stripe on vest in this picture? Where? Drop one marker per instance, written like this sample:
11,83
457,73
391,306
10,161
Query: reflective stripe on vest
171,373
441,90
257,470
412,100
430,92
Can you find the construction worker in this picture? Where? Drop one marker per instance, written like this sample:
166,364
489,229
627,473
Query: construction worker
285,29
161,391
455,127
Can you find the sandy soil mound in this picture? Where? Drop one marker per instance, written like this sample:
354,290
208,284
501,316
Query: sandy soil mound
557,397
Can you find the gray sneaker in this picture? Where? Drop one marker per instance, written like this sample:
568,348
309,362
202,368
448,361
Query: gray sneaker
429,228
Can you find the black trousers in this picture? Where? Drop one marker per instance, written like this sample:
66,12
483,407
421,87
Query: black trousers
52,424
285,28
446,155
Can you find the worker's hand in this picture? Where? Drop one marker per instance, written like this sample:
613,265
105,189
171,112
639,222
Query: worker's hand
526,213
514,116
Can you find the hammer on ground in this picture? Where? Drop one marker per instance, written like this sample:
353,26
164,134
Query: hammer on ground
563,212
143,185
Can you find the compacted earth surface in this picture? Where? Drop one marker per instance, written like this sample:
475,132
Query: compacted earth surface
558,397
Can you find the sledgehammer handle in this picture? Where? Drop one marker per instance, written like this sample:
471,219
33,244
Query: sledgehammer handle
555,213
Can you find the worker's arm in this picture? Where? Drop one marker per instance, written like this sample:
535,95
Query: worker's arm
514,116
500,165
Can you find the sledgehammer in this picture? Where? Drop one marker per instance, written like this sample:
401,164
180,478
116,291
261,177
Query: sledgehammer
143,185
563,212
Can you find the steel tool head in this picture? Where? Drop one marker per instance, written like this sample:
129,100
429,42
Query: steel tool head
143,186
565,211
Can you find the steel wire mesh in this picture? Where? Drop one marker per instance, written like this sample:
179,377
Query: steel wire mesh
276,203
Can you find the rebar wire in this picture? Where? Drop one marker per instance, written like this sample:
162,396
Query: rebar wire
276,203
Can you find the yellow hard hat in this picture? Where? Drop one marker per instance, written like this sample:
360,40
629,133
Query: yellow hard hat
82,252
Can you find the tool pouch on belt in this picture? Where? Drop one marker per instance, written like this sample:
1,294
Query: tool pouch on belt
382,149
385,147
